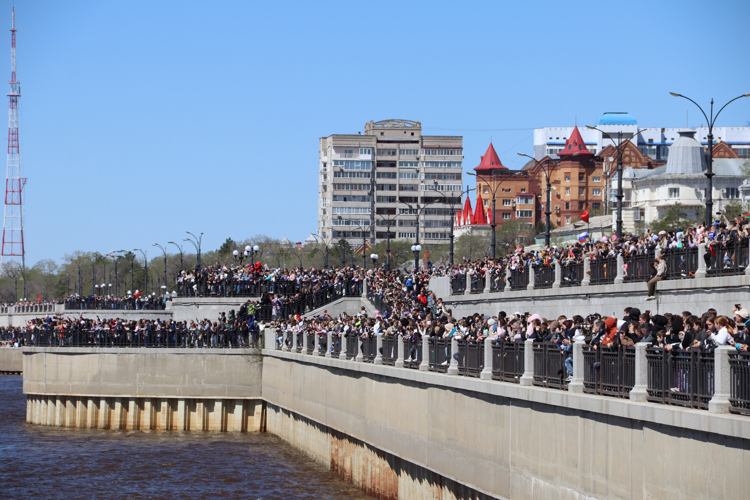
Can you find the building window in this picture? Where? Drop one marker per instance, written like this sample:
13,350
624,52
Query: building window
597,192
581,177
441,177
353,165
408,175
567,177
410,236
386,175
581,191
386,152
742,152
386,187
674,192
567,220
350,210
596,179
408,164
506,215
567,205
524,200
365,151
731,193
596,206
524,214
486,190
486,202
325,152
523,190
507,203
441,164
507,190
567,191
580,205
408,187
409,152
443,152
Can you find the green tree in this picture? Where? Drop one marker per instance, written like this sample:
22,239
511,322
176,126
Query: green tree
472,245
674,217
226,249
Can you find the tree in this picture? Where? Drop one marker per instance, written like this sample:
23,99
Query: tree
226,249
674,217
745,169
509,234
472,245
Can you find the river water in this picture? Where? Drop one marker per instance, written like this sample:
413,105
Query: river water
48,462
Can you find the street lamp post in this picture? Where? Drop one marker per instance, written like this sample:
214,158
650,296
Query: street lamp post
145,266
316,235
493,224
710,153
196,242
547,169
253,250
374,258
165,261
388,222
180,249
415,250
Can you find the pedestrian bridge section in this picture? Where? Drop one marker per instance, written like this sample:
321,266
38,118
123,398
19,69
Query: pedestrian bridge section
694,295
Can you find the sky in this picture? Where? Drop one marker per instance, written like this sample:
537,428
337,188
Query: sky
142,120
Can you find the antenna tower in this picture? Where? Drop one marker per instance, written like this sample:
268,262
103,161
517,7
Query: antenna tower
13,221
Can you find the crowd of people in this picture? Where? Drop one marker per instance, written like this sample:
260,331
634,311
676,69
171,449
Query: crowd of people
133,302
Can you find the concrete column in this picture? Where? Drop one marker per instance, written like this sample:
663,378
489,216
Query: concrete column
200,412
722,386
486,373
657,252
453,365
487,281
558,275
316,347
639,392
586,281
378,347
103,414
90,414
163,418
528,363
364,285
701,271
218,420
576,385
117,415
344,341
269,338
329,344
424,366
401,351
180,424
237,424
132,420
148,411
360,355
620,278
293,347
467,290
305,342
531,273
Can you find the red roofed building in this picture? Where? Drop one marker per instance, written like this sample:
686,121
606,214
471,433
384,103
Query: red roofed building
574,144
480,217
490,162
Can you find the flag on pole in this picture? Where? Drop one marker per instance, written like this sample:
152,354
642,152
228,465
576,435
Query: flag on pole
584,215
583,236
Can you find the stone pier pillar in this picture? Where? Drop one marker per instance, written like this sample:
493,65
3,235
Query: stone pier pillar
453,364
329,344
576,384
507,278
486,373
528,363
401,346
558,275
639,392
344,346
701,271
424,366
722,387
586,281
378,348
620,278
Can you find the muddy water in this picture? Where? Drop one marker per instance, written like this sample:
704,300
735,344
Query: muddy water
45,462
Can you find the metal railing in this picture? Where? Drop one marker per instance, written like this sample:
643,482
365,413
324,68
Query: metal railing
603,270
682,378
638,267
739,375
507,361
477,283
413,354
143,338
390,348
335,347
608,372
458,285
96,303
727,259
681,262
440,354
369,348
352,346
497,281
519,278
549,366
470,358
544,276
572,274
310,343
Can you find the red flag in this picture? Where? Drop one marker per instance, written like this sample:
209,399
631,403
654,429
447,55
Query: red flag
584,215
39,298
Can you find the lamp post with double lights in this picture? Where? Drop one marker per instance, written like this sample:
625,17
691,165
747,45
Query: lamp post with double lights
493,224
710,150
388,223
196,242
165,261
364,240
145,277
619,145
116,255
417,209
548,165
180,249
318,237
374,258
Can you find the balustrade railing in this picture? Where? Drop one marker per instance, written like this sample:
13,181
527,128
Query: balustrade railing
603,270
413,354
440,354
458,285
477,283
739,375
638,267
572,274
726,259
681,262
519,278
390,349
507,361
549,366
608,372
544,276
143,338
369,348
680,378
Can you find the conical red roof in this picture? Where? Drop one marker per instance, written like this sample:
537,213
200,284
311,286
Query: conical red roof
467,216
480,218
575,144
490,161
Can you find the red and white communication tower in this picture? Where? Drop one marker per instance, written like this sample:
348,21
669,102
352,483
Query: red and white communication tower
13,222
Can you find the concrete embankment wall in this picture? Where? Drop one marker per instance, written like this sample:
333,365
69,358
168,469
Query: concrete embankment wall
499,439
695,295
11,360
183,389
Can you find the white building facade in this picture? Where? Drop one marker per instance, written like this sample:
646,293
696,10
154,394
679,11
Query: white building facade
390,181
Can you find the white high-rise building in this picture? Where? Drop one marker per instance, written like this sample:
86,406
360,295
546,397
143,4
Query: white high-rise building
389,179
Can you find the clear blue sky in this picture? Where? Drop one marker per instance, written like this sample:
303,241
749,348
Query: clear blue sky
141,120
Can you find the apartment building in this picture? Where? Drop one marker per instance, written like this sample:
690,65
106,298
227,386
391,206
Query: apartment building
390,181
